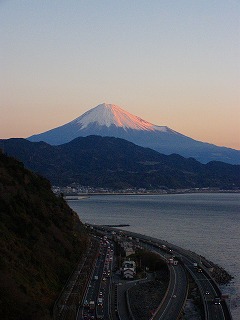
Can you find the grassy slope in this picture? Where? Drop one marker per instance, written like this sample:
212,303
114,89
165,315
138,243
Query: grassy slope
41,240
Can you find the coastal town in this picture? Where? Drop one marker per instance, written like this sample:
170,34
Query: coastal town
73,191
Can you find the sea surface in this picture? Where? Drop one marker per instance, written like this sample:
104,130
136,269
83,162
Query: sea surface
208,224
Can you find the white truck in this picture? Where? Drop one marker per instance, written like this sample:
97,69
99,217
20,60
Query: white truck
92,305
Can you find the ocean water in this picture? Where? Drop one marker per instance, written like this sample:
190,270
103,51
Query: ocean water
208,224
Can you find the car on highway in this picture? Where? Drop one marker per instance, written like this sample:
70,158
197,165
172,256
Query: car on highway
217,300
100,301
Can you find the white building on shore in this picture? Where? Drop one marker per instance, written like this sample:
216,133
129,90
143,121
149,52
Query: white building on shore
129,269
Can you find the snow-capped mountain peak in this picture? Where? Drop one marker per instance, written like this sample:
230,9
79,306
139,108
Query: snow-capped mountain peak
109,114
112,121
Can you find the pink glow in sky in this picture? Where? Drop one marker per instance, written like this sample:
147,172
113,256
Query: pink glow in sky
172,63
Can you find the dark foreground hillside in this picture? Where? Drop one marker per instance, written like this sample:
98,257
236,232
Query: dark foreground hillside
41,240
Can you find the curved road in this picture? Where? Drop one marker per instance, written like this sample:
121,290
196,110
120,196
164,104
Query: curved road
212,311
175,298
176,294
203,280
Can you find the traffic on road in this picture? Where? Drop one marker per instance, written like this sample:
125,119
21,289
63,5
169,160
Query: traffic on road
105,295
97,295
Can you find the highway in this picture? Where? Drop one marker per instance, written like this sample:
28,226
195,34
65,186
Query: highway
215,309
175,298
96,301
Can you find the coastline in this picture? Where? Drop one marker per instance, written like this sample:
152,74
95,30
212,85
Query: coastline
206,226
82,196
218,273
217,276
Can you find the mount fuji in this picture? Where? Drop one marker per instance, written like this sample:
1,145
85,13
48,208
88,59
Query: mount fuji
111,120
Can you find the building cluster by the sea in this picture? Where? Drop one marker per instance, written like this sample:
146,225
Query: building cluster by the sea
76,189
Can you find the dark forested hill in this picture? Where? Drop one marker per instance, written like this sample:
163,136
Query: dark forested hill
116,163
41,240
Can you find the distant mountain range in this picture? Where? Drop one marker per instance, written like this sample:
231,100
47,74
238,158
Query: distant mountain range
116,163
111,120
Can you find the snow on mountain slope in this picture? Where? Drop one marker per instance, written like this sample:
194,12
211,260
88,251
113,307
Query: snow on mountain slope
110,114
112,121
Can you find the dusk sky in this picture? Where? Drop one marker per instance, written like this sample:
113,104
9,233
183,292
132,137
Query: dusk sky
170,62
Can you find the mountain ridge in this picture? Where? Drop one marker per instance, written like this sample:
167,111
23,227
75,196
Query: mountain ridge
113,162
